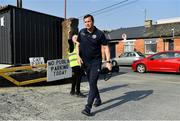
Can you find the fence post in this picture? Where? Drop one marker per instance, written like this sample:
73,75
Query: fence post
68,25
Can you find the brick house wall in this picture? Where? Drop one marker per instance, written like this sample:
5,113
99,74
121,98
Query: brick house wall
160,45
177,44
164,46
139,45
119,48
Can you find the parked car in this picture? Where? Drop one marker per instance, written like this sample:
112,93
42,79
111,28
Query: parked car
168,61
127,58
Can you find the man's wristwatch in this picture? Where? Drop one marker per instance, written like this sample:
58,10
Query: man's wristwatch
108,61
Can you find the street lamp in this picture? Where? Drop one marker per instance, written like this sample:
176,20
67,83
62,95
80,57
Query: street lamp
19,3
145,14
173,33
65,8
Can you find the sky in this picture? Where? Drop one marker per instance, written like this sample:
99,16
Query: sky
130,13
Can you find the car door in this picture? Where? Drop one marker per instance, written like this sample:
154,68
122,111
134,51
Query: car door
123,58
171,63
131,57
176,61
166,62
155,63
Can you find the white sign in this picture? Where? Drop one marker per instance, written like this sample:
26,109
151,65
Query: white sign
2,21
124,36
36,61
58,69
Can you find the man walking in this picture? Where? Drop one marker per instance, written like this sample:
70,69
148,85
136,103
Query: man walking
90,41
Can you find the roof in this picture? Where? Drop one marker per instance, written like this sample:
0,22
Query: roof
133,32
141,32
8,7
2,7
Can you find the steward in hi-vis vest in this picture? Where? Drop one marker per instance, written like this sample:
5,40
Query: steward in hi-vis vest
77,72
73,57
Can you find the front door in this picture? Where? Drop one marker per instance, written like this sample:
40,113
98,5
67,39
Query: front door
171,44
168,44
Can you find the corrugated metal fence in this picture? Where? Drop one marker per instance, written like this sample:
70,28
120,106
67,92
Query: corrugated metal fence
29,34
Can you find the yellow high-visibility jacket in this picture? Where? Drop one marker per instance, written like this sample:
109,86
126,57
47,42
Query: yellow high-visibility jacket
73,57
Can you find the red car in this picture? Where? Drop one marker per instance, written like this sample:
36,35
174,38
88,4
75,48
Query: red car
168,61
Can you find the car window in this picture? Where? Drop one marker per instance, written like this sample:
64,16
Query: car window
129,54
122,55
170,54
177,55
126,54
164,55
173,54
133,54
160,56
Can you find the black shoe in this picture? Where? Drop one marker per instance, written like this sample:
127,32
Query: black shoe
72,93
79,94
86,112
97,103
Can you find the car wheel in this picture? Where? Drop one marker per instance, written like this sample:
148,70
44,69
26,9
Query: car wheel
114,63
141,68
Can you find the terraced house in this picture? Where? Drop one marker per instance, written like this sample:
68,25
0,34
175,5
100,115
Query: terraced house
148,39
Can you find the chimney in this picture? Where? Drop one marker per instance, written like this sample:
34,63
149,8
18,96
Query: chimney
19,3
148,23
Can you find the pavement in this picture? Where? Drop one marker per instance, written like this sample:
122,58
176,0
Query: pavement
126,96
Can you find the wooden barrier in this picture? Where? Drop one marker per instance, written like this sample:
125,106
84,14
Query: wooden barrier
5,73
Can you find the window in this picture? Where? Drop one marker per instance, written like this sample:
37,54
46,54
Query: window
128,46
150,46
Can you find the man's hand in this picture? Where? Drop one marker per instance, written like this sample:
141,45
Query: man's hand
109,66
69,34
106,52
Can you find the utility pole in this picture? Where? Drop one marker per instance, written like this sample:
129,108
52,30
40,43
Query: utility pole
173,33
145,14
64,9
19,3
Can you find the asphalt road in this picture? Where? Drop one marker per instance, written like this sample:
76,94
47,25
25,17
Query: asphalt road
126,96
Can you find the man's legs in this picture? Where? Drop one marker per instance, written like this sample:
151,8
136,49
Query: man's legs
93,74
93,91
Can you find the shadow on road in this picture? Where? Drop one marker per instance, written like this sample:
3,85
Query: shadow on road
129,96
112,88
103,76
